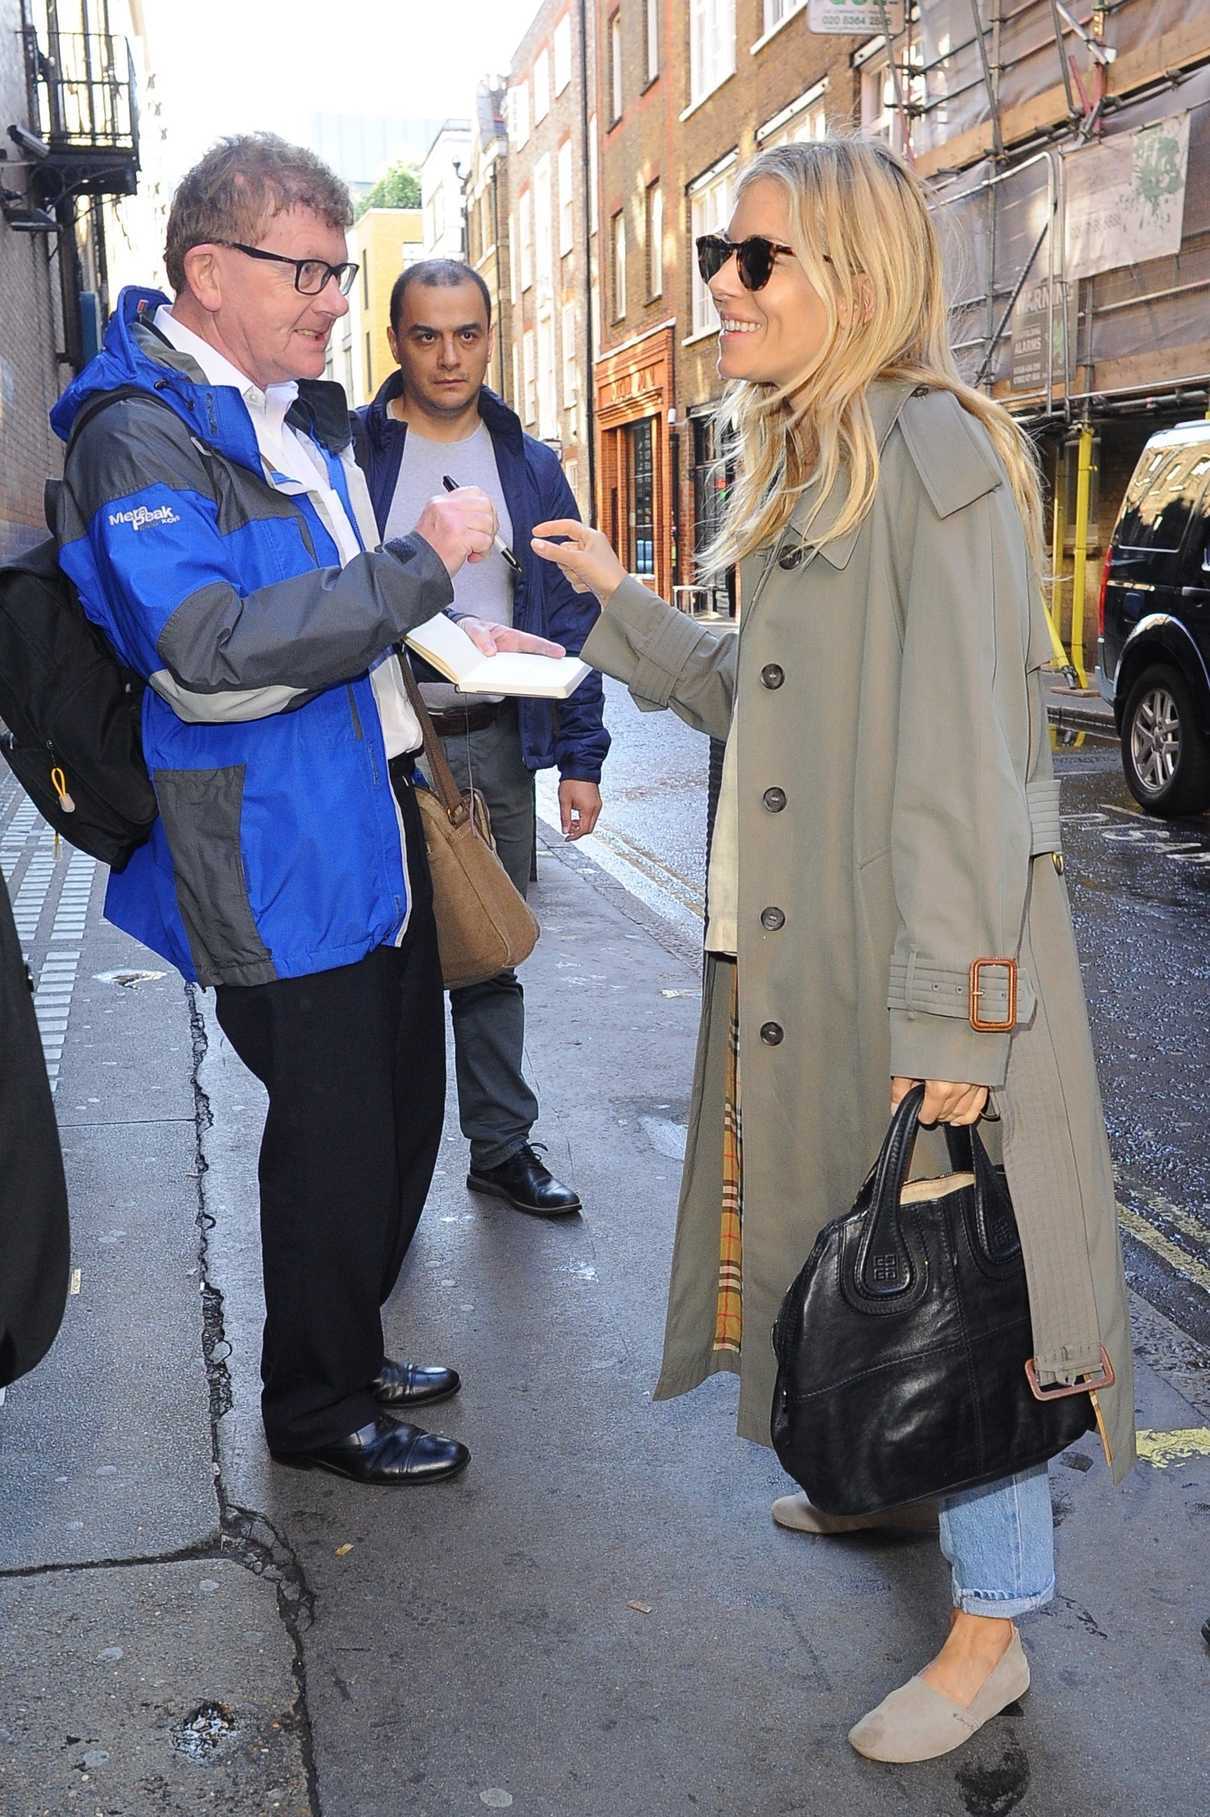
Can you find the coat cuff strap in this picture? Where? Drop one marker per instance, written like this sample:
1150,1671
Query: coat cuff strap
938,990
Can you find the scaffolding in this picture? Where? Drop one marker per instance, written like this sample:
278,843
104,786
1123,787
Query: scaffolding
1014,111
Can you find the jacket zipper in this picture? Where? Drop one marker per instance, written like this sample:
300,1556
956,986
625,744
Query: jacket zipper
353,713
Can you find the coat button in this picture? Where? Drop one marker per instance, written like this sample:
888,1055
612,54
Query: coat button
772,918
791,558
772,1034
772,675
1056,858
774,800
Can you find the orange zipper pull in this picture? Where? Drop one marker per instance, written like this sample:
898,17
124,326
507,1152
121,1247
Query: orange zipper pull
58,782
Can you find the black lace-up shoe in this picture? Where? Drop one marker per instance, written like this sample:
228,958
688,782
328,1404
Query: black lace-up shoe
525,1181
386,1453
410,1385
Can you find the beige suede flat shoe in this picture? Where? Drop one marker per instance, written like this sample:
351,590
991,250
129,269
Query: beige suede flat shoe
796,1513
918,1723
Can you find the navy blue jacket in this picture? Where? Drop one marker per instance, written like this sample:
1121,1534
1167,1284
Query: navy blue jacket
569,733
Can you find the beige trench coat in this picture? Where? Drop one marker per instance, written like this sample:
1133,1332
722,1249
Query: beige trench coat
897,805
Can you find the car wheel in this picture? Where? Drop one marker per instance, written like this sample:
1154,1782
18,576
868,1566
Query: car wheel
1164,753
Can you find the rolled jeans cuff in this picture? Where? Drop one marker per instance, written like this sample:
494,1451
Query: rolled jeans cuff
1002,1608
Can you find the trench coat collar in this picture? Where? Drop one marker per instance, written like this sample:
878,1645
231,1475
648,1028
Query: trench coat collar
886,399
948,448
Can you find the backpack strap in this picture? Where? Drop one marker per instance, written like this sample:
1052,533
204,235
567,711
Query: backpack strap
93,406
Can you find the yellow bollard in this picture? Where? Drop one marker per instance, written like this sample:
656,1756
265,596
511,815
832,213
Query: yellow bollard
1079,564
1054,612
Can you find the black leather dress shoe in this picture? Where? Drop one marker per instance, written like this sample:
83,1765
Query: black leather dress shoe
524,1181
387,1453
410,1385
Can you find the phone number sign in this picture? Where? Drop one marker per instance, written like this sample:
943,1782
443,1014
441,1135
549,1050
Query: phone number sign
856,21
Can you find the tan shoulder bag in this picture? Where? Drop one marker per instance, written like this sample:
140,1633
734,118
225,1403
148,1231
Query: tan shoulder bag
484,924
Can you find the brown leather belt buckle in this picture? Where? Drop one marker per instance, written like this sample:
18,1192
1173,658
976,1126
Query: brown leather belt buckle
1090,1385
982,1024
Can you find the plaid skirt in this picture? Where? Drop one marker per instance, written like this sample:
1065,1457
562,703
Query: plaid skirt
729,1303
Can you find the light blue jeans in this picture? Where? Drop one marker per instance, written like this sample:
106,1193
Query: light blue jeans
1000,1543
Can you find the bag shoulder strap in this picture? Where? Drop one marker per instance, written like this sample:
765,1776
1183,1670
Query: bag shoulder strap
93,406
448,792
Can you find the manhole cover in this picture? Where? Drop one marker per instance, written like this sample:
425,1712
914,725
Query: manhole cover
200,1735
128,980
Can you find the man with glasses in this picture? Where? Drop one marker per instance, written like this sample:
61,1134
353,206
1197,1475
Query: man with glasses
220,535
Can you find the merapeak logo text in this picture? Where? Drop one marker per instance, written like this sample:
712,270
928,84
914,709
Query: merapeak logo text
142,515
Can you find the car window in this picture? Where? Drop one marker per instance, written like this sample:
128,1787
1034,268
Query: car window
1167,483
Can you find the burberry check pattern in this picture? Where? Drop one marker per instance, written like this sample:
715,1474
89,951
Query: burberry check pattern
729,1306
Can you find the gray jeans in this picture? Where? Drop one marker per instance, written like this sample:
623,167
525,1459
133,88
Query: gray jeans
496,1107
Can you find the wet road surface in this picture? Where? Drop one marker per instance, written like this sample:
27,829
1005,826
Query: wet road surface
1140,894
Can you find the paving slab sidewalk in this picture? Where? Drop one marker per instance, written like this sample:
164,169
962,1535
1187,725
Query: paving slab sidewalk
599,1619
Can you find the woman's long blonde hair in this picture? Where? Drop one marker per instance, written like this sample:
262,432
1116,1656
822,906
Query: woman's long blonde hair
861,228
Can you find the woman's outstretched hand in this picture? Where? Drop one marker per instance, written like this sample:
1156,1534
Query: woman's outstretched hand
586,556
944,1102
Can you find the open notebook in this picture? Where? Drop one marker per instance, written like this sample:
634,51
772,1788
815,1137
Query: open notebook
448,648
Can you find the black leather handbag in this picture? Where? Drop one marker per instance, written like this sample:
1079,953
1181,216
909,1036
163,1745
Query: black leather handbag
904,1347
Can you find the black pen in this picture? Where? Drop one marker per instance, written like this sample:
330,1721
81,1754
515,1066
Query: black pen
451,485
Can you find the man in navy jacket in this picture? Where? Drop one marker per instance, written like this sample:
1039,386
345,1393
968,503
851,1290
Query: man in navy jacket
436,419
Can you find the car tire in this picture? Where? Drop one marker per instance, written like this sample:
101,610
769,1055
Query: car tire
1165,755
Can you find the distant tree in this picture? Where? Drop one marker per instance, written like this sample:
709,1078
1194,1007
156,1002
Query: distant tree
399,188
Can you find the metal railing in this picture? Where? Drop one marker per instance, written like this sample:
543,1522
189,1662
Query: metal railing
83,91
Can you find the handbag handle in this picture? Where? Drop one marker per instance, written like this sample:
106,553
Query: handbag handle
448,792
884,1265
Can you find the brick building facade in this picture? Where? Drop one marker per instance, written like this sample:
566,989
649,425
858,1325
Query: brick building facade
70,75
485,199
548,360
30,375
686,94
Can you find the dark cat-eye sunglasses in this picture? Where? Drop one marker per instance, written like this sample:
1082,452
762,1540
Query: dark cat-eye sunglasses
755,257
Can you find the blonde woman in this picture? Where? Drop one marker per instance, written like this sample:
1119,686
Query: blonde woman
888,816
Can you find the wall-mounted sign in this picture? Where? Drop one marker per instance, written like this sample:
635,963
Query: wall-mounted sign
1126,197
856,21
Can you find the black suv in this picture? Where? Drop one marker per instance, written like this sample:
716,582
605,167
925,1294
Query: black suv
1153,654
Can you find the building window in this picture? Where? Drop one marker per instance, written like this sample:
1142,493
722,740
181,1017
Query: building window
711,200
562,53
802,120
515,400
571,319
592,174
514,246
529,402
567,199
711,46
615,69
543,228
520,99
655,240
778,11
365,279
541,86
369,390
880,117
617,242
642,466
527,240
652,36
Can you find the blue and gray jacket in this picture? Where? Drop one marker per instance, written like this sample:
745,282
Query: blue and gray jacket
569,733
278,850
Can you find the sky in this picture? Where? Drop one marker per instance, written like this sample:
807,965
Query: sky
236,65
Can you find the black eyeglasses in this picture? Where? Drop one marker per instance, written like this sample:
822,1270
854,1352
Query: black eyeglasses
755,257
310,275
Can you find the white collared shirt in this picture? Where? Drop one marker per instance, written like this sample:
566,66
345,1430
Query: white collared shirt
294,464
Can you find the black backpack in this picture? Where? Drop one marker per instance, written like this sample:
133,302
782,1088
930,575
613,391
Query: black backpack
71,708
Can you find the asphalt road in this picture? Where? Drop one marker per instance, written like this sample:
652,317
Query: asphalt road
1140,894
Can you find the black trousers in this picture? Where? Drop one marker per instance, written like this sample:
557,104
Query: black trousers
353,1061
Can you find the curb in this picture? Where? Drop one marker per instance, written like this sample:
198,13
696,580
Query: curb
1083,718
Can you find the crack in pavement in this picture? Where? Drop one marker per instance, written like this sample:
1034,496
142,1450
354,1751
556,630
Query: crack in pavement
246,1535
